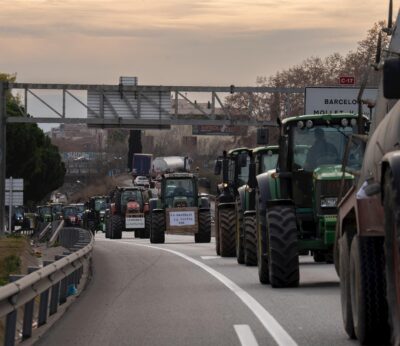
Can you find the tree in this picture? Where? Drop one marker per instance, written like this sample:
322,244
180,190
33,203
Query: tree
30,154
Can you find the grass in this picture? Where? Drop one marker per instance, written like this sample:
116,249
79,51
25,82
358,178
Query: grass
11,250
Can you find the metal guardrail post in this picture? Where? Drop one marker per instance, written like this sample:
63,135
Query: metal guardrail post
63,286
44,302
28,313
11,320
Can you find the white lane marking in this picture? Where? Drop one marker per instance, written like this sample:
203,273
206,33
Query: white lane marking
245,335
209,257
270,324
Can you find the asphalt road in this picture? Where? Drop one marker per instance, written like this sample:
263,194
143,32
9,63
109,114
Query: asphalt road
180,293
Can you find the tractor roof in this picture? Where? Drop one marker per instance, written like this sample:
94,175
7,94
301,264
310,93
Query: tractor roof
238,151
265,149
179,176
130,188
331,117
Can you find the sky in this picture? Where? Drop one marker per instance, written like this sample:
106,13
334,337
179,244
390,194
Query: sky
175,42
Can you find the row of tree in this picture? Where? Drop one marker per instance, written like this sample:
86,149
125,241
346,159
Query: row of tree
30,154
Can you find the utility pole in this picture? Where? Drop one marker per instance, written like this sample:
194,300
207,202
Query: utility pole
3,116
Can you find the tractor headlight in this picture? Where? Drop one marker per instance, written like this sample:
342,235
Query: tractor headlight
328,202
225,185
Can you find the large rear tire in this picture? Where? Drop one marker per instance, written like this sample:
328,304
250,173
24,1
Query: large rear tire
368,290
250,240
344,274
204,233
392,249
108,227
117,226
227,226
239,233
157,231
147,223
283,249
217,231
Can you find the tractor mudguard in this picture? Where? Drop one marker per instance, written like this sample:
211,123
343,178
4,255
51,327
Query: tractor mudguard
391,161
154,203
268,187
249,213
275,202
226,205
204,203
242,196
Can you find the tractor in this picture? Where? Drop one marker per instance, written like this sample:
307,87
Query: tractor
129,206
367,256
44,213
296,203
234,165
262,159
180,209
95,215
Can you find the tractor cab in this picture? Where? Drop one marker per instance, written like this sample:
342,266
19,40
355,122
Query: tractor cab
179,190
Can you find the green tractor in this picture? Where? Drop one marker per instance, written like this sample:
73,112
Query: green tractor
180,209
261,159
95,215
235,173
44,213
296,203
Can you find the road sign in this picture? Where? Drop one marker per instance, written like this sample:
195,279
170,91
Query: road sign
17,198
333,100
17,184
347,80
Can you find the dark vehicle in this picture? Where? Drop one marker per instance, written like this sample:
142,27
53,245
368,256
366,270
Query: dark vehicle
95,216
368,229
141,165
44,213
129,208
17,217
235,173
56,211
261,160
180,209
296,203
70,216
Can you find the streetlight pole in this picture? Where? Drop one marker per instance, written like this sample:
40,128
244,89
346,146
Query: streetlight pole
3,116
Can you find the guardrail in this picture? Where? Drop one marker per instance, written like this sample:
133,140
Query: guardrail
46,287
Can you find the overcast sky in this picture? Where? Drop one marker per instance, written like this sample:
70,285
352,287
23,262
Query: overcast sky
175,42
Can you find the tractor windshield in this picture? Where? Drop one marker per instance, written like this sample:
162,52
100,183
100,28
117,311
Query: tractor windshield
179,188
44,210
69,211
318,145
129,195
269,161
100,204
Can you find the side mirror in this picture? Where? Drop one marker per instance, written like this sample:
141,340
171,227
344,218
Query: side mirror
391,78
218,167
252,175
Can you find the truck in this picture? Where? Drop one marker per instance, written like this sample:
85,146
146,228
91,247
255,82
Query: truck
141,165
169,164
367,254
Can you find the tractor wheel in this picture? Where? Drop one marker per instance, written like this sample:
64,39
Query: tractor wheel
108,227
204,233
392,249
117,199
262,255
239,233
157,231
227,227
344,274
217,232
283,250
250,241
147,223
117,225
368,290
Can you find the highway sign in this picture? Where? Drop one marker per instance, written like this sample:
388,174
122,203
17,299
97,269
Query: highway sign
17,184
333,100
17,198
347,80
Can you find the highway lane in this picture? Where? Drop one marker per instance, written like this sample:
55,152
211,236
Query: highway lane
140,295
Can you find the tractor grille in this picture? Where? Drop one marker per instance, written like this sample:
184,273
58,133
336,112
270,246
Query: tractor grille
329,188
